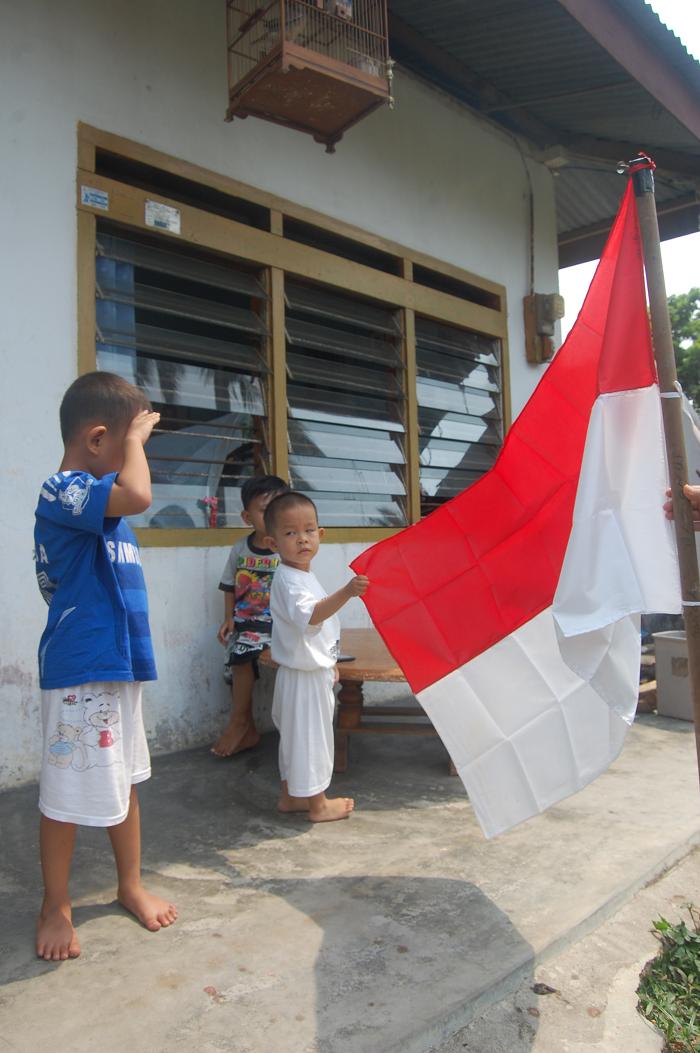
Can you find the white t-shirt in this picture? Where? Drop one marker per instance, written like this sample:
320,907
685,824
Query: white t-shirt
295,643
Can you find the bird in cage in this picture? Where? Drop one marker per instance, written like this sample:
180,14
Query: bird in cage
340,8
269,31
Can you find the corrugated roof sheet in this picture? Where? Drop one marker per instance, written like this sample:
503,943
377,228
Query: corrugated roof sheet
536,54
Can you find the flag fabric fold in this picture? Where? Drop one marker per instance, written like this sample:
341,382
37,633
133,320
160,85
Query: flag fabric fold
513,609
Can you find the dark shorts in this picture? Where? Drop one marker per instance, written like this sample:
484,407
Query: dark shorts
246,645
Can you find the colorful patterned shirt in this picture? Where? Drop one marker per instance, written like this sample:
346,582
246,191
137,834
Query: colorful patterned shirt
248,574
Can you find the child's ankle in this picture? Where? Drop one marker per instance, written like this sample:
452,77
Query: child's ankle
53,903
129,886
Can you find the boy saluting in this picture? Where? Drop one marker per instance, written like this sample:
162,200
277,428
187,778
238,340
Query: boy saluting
96,649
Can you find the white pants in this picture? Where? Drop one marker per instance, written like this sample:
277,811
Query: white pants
95,750
302,711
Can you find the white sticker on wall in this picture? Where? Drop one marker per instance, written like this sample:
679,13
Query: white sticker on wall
90,195
162,216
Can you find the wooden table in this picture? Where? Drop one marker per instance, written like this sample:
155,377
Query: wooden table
372,662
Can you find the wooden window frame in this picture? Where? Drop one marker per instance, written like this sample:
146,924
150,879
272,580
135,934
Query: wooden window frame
277,255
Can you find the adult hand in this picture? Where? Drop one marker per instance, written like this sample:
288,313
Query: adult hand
693,495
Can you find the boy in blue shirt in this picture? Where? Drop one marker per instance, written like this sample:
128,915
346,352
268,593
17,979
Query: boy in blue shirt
96,649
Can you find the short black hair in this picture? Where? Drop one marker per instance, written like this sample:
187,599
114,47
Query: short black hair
259,486
282,501
99,398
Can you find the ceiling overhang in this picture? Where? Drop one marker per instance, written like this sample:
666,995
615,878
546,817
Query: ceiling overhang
586,82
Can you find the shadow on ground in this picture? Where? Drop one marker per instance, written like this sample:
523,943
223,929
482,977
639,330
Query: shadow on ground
364,936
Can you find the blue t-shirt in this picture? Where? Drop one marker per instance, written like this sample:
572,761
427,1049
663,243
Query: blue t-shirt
88,567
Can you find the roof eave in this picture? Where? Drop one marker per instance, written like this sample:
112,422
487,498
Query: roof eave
623,39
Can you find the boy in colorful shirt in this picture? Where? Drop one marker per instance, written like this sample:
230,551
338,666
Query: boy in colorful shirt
96,649
245,630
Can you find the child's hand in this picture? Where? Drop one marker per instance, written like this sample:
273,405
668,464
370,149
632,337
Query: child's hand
358,585
225,630
142,425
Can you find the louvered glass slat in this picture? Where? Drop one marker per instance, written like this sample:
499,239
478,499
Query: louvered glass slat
439,453
341,342
313,439
460,429
462,343
466,372
346,407
437,486
351,477
349,510
194,342
315,301
176,505
181,384
163,301
180,264
149,339
451,398
350,376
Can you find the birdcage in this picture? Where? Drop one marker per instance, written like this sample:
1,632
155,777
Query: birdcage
315,65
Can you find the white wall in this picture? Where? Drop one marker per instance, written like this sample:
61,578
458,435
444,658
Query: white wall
427,175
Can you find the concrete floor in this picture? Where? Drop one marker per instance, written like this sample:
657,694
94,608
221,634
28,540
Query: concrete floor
386,933
589,1004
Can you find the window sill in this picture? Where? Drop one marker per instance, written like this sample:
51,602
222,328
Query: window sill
227,536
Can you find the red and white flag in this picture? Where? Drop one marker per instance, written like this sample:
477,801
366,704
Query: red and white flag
513,610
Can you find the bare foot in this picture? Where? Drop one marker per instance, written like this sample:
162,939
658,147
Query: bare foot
56,940
153,912
234,739
332,808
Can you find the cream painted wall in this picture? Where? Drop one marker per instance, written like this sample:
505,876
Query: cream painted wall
428,175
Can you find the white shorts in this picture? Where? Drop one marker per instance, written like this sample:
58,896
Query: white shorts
94,751
302,711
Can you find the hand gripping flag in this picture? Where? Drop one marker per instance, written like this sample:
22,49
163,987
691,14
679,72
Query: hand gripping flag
513,609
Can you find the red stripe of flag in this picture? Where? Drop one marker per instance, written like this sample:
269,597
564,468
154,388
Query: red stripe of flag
446,589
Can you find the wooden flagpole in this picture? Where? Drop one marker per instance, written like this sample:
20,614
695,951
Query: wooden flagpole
641,170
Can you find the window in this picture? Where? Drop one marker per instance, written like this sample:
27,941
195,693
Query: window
460,424
273,339
192,333
345,393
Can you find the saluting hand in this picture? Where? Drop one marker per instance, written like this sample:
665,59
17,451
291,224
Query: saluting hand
142,425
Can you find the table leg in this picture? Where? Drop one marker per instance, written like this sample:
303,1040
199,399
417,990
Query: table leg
340,761
350,702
